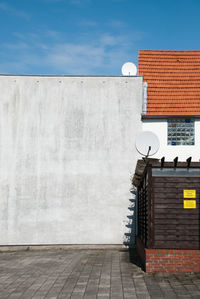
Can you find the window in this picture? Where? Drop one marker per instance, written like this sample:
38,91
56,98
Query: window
180,132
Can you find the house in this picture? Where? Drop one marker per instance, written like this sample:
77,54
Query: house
171,105
168,193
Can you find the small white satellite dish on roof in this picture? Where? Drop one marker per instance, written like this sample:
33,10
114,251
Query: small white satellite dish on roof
129,69
147,143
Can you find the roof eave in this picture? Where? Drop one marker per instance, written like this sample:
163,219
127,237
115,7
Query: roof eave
166,116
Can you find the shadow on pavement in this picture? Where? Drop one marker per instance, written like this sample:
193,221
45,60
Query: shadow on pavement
134,258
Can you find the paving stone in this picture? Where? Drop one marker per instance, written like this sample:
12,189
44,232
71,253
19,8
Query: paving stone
88,274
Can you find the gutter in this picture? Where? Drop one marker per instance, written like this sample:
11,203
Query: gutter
144,103
168,116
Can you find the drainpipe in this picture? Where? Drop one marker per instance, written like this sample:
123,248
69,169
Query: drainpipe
144,104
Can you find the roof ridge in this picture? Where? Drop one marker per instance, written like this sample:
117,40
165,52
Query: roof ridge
163,51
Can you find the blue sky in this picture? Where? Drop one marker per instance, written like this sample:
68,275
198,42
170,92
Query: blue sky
91,37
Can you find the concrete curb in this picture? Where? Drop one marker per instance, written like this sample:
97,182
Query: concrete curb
11,248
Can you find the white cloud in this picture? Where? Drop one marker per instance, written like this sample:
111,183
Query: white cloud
76,59
15,46
119,0
73,2
111,40
117,24
52,53
13,11
88,23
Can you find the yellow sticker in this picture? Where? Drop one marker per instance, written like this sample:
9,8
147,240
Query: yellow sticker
189,204
189,193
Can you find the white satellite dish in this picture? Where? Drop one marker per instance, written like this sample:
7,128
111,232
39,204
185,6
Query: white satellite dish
147,143
129,69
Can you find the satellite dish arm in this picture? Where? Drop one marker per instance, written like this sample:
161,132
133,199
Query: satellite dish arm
148,152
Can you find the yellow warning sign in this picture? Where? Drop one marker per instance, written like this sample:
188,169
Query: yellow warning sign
189,204
189,193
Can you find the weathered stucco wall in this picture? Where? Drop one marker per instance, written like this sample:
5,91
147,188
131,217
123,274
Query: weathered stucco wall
160,127
66,156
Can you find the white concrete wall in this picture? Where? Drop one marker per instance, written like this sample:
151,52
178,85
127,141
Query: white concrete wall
67,151
160,127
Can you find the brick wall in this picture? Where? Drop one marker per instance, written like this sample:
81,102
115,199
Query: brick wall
172,260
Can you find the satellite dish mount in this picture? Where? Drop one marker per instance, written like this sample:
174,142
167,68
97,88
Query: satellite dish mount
148,151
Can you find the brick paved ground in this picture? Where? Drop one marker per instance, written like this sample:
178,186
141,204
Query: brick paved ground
88,274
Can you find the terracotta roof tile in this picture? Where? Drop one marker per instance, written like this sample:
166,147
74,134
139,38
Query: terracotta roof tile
173,79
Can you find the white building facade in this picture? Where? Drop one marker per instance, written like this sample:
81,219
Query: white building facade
169,151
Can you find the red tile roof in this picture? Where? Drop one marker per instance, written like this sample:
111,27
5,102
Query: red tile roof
173,79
